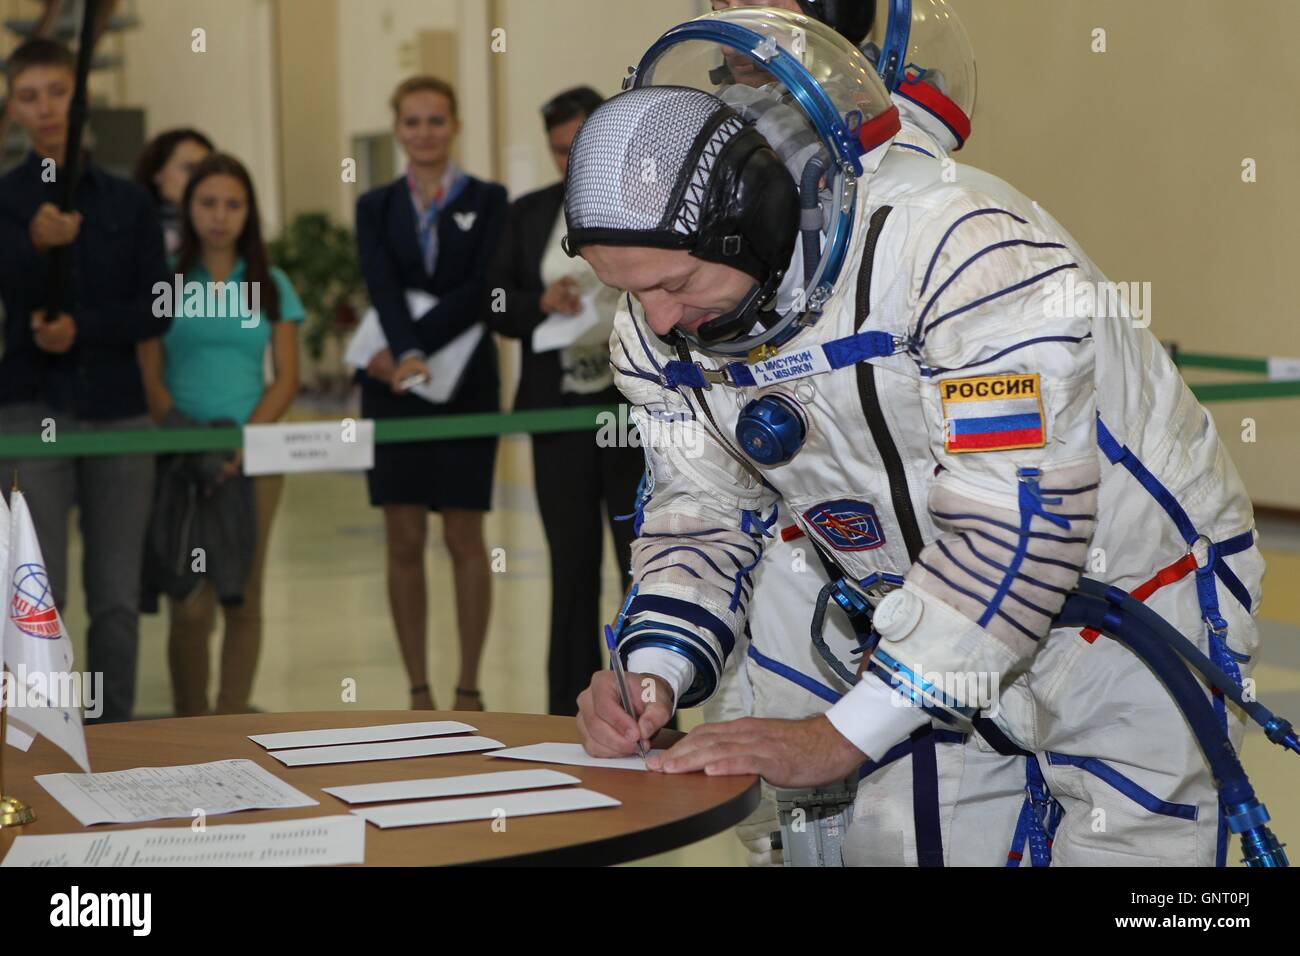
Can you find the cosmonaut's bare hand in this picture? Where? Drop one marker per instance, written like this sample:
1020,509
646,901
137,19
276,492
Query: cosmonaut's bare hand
605,727
785,753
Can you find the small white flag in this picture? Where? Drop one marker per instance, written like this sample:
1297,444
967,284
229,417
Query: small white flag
44,691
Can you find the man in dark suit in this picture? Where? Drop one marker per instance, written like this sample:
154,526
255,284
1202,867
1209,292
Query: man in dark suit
575,476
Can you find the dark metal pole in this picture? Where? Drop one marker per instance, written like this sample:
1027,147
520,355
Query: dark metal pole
59,292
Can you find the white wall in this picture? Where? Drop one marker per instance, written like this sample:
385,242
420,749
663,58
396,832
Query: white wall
557,44
378,49
1138,152
227,92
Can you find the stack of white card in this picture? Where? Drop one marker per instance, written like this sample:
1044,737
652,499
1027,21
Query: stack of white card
515,793
387,742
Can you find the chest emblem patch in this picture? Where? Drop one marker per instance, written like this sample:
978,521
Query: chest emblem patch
846,524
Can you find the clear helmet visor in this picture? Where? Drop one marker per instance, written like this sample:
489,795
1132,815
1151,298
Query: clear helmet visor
754,54
924,42
818,102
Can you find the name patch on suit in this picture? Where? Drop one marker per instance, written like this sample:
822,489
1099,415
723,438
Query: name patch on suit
993,413
847,525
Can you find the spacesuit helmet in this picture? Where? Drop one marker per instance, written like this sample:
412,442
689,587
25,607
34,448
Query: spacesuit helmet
925,59
742,135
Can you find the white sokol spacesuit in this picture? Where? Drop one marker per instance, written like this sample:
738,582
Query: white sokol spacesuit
967,430
775,671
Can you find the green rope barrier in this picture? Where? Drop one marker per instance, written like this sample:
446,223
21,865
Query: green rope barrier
1238,391
159,441
156,441
1227,363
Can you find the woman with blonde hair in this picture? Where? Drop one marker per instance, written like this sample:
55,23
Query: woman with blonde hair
427,239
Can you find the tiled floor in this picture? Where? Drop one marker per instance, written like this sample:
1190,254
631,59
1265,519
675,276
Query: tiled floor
327,620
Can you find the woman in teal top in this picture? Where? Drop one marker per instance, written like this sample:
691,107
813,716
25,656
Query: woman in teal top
229,305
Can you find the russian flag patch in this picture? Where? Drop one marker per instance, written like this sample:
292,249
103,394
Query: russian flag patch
993,413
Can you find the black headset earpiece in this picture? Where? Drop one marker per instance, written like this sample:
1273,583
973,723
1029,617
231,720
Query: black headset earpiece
751,209
752,212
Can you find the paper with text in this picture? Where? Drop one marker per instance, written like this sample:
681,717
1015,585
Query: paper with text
315,841
165,793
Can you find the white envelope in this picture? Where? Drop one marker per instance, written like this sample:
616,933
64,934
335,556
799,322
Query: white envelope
385,750
572,754
446,366
485,808
561,331
458,786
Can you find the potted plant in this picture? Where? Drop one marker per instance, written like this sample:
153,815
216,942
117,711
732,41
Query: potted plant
320,258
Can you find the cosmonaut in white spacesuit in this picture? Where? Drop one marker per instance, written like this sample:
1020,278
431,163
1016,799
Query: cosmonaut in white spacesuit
775,671
889,353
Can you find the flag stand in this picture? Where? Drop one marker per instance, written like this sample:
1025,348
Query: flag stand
13,812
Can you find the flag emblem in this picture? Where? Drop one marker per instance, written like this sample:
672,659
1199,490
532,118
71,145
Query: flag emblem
846,525
993,413
32,609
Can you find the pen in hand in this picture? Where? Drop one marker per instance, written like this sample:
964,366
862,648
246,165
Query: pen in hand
620,675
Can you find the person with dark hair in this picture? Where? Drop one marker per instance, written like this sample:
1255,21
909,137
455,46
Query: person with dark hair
164,167
574,475
77,370
428,237
209,368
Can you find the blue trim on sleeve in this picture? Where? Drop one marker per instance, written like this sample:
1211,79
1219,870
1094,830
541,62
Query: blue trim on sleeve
685,611
953,228
1023,284
706,673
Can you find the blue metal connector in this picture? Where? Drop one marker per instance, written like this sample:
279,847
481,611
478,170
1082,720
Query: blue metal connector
1258,844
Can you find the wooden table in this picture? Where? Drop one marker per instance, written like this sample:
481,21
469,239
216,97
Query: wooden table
659,812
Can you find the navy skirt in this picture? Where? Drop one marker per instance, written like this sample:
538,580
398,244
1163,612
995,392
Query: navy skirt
456,473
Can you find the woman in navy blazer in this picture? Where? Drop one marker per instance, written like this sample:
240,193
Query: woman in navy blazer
435,230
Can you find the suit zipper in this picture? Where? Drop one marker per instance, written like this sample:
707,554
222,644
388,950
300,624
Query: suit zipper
868,393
